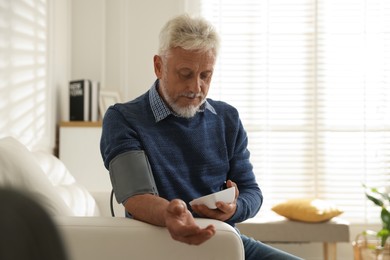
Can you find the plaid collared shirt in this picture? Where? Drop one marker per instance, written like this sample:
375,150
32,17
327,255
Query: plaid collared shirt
160,109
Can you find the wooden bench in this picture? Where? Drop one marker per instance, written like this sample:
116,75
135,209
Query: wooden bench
281,230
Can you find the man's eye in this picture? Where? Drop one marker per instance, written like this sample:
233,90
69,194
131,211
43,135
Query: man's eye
205,76
185,74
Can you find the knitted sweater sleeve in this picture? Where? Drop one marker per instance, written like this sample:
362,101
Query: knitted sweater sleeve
117,136
250,196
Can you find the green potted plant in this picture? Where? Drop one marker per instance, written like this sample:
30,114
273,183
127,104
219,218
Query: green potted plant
367,250
381,198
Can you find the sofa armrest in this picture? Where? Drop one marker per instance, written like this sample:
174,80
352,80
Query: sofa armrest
122,238
102,199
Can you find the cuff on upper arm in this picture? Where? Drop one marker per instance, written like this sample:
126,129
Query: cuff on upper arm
130,174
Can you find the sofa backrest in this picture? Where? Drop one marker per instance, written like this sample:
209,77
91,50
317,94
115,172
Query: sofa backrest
46,178
74,194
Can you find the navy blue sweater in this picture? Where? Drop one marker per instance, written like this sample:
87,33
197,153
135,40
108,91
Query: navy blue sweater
189,158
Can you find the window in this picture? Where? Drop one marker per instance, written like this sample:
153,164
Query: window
23,71
311,80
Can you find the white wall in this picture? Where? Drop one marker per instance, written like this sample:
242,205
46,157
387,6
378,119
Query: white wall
131,42
114,41
87,37
59,55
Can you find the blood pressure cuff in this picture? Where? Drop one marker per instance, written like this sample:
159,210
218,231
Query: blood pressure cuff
130,175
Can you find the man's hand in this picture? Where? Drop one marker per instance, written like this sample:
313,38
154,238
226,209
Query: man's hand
182,227
223,212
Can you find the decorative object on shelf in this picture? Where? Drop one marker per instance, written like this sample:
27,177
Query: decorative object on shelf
107,98
377,247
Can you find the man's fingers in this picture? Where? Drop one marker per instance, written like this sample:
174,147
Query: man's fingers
196,238
182,227
177,207
225,207
230,183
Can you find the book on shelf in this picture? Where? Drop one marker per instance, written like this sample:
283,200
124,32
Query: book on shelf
84,100
95,93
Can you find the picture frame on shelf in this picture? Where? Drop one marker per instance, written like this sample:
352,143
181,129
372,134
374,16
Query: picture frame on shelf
106,99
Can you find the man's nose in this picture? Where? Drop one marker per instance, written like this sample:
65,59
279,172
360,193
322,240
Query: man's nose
196,85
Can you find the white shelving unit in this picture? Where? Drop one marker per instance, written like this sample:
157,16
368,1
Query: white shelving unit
79,149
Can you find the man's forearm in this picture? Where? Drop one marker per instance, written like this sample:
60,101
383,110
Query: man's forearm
148,208
174,215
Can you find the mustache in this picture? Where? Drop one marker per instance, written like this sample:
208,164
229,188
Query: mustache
192,95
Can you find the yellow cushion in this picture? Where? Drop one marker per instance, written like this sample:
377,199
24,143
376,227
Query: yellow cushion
307,210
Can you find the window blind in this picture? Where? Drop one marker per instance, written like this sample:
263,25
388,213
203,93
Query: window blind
23,52
311,80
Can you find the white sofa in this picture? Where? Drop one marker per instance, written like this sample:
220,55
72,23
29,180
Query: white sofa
84,220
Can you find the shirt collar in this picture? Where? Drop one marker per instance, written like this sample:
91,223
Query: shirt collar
161,110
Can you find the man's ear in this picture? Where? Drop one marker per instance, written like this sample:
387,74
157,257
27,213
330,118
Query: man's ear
157,61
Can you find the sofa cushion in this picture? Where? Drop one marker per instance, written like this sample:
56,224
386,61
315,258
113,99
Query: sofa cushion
75,195
19,169
307,210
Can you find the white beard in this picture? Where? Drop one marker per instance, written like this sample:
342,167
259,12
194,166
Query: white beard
186,112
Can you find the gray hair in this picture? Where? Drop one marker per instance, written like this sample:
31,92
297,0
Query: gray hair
189,33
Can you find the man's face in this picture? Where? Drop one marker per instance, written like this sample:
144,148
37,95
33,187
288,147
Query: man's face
185,78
